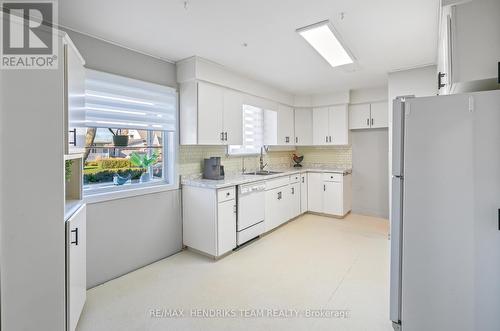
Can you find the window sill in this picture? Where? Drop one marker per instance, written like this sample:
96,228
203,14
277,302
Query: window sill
96,197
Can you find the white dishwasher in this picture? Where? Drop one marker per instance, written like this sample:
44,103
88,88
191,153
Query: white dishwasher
250,221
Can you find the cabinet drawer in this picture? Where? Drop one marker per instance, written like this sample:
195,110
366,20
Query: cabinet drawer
277,182
226,194
332,177
294,178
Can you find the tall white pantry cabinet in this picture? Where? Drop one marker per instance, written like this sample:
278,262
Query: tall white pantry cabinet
34,264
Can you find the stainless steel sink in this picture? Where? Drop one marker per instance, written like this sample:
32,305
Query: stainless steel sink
263,173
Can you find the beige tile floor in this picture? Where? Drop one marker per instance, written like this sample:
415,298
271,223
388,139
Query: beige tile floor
311,263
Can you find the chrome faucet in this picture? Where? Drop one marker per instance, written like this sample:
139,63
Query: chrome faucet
261,159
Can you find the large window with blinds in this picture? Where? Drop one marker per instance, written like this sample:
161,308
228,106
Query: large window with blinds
253,132
130,128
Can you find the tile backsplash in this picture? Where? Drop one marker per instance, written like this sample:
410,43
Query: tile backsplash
191,158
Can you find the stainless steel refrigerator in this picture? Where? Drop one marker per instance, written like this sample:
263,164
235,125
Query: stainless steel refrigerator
445,213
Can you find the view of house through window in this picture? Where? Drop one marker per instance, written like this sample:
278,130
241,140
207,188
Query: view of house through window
122,157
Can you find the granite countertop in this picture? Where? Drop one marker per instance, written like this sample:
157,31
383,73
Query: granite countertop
232,180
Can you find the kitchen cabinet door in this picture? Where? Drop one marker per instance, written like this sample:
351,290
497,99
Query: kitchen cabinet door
286,134
339,125
303,194
303,127
76,266
270,127
359,116
332,198
315,192
379,112
226,226
233,117
210,114
273,208
293,201
74,99
320,126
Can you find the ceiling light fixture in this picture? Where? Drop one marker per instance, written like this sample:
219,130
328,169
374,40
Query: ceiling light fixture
327,42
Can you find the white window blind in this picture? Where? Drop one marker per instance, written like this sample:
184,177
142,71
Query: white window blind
113,101
253,132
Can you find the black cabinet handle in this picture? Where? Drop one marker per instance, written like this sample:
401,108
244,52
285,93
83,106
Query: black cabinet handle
74,137
440,77
222,136
302,179
324,187
293,190
373,121
225,136
279,195
75,231
326,138
367,122
296,139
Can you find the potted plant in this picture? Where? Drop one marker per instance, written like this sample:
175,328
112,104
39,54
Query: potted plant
143,161
119,139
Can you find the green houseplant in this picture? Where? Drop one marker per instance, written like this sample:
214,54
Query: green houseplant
144,161
119,139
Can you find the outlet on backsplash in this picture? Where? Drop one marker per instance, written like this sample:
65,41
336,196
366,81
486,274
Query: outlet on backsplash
191,158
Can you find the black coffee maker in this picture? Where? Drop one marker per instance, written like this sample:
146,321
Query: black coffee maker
212,169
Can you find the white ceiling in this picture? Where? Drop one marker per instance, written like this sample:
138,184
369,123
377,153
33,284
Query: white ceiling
384,35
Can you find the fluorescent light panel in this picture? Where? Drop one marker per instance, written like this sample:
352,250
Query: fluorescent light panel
323,38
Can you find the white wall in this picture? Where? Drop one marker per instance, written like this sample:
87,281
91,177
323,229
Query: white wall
370,184
126,234
103,56
420,82
368,95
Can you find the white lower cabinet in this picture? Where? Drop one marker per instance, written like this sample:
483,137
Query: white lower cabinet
329,193
303,193
275,209
76,266
209,219
293,200
226,226
315,192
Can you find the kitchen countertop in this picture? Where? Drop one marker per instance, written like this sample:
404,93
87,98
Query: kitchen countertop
232,180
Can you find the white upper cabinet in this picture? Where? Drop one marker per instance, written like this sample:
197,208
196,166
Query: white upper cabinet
74,100
303,127
286,134
369,115
330,125
320,126
359,116
469,46
233,117
379,112
210,115
339,125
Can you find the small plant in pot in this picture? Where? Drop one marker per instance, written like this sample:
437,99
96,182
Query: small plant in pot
144,161
119,139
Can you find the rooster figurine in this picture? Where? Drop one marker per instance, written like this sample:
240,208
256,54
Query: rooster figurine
297,159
